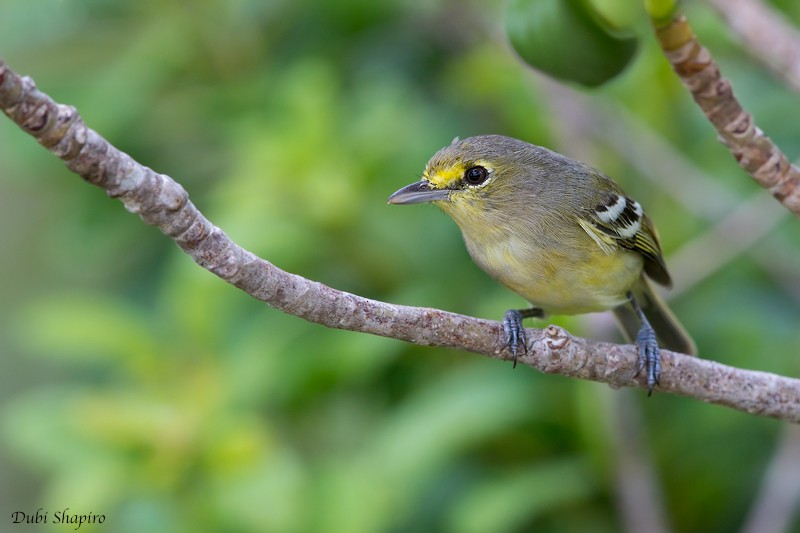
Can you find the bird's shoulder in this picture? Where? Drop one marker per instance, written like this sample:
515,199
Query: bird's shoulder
614,220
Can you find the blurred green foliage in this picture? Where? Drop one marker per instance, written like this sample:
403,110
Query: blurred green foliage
139,386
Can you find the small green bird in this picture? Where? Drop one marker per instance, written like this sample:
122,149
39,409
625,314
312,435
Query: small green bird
557,232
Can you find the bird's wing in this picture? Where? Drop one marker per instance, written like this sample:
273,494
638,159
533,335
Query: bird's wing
619,221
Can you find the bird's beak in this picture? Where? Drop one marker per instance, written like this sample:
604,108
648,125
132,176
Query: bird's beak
418,193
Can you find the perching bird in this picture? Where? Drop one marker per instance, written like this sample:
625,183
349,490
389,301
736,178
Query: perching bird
557,232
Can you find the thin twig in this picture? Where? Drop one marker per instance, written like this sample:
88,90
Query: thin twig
778,499
767,36
639,493
162,202
752,149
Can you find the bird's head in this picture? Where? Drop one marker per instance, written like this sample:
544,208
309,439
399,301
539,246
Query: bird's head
477,178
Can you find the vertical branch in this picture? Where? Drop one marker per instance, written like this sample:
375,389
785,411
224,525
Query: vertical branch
639,493
752,149
779,498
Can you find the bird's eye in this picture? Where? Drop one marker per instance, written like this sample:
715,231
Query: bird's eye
475,175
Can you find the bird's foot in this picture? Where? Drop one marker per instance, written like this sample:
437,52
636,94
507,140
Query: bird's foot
514,332
649,356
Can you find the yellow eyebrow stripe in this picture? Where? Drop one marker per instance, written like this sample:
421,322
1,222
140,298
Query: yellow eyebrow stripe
444,177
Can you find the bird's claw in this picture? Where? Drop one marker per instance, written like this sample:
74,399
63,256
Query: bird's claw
649,357
514,333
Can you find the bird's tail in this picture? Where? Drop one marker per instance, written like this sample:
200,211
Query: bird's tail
671,334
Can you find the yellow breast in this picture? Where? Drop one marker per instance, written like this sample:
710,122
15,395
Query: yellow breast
569,277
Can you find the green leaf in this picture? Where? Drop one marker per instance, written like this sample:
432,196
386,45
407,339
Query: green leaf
568,40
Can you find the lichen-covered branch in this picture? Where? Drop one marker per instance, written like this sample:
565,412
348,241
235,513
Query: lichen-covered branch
162,202
753,150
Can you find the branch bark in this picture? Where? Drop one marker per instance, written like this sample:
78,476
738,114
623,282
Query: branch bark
162,202
753,150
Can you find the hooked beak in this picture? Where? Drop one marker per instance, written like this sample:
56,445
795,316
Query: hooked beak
418,193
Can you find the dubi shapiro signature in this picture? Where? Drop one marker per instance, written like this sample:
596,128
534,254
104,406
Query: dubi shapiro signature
59,517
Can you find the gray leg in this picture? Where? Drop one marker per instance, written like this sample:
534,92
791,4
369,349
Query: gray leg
649,353
515,332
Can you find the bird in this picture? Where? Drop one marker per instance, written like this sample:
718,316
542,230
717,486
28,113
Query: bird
559,233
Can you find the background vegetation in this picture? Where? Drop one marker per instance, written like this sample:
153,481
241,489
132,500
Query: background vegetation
139,386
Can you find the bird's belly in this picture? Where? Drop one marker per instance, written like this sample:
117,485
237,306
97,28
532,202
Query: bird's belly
561,282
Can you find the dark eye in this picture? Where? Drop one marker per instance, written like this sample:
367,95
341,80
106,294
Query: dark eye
475,175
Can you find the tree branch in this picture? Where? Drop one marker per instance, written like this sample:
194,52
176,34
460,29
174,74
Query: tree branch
753,150
162,202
